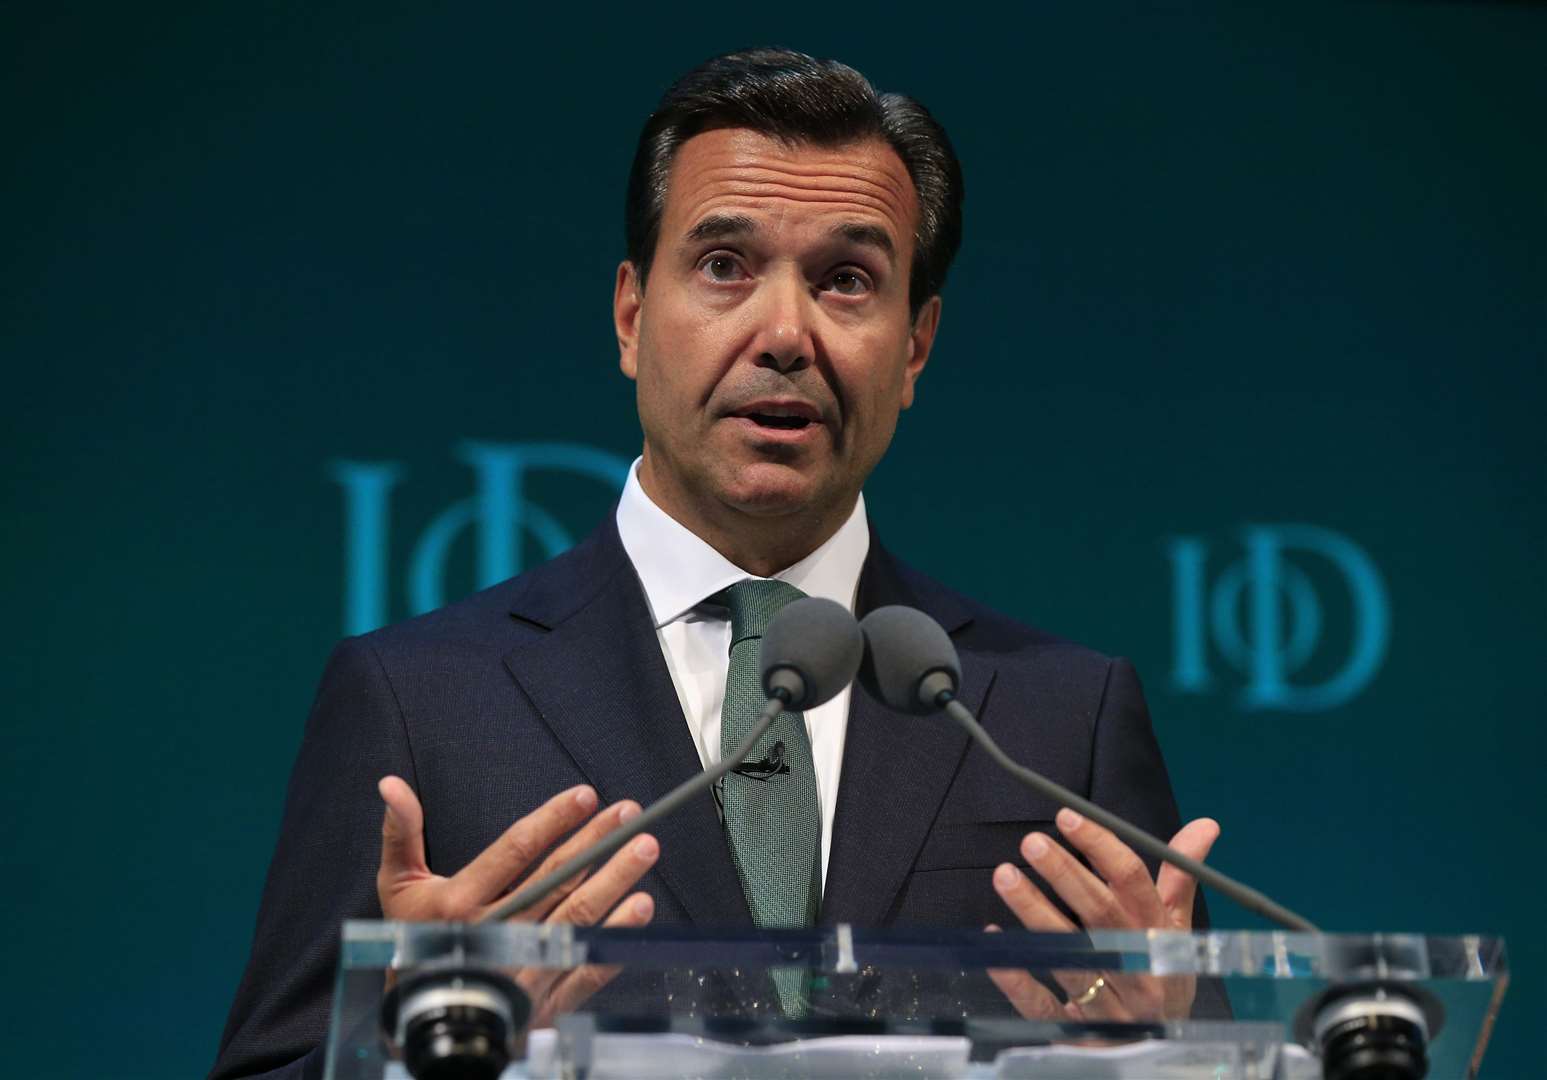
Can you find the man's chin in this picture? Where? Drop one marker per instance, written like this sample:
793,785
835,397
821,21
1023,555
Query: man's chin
772,490
768,504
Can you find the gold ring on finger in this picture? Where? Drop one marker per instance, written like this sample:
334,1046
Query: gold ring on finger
1091,992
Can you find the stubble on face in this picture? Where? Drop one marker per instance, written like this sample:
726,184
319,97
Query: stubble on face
779,285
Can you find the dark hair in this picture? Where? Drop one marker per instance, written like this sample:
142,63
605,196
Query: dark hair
791,96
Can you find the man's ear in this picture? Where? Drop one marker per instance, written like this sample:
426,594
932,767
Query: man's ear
627,303
920,341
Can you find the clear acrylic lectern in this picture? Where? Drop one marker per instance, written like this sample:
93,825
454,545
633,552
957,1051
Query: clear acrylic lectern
891,1003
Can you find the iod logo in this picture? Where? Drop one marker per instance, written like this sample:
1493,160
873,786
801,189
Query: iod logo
1265,616
498,512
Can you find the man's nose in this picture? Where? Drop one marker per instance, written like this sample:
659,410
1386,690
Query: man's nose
784,340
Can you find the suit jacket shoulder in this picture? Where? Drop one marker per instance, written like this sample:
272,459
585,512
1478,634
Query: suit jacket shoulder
502,616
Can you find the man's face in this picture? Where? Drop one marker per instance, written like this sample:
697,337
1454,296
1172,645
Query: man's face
773,347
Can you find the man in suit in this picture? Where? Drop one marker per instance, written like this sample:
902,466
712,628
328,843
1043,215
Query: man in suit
789,232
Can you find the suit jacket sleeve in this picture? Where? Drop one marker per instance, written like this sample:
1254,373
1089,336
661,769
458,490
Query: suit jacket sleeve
1128,774
323,871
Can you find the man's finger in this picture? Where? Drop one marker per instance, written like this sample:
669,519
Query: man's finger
1085,893
598,827
578,985
1104,1000
1124,872
590,903
1177,887
497,865
402,832
1035,911
1029,997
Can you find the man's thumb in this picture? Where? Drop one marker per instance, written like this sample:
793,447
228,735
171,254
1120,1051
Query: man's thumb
402,827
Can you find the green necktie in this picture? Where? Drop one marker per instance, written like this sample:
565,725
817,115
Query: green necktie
772,818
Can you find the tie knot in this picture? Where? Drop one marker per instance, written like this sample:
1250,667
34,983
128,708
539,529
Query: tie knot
753,604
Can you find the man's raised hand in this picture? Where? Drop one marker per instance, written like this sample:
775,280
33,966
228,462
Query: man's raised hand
409,891
1116,893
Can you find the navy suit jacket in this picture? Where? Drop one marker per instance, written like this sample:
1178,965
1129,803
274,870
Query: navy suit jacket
491,705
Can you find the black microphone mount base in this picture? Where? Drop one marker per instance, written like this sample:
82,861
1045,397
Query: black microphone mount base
1376,1030
455,1023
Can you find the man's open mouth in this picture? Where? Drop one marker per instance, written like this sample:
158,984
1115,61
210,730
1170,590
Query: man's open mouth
780,415
770,420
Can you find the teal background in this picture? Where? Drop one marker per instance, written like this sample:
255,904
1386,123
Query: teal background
1223,265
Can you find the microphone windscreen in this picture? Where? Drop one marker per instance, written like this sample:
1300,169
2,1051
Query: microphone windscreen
902,646
818,640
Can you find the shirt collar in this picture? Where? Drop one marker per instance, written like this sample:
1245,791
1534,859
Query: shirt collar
679,570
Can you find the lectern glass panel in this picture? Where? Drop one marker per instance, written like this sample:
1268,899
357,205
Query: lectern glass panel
907,1003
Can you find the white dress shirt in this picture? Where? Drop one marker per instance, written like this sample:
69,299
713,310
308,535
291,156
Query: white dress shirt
680,571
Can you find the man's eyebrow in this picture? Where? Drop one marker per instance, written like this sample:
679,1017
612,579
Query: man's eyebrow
721,226
869,235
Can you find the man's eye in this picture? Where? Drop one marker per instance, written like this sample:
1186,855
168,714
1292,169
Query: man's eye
849,283
721,268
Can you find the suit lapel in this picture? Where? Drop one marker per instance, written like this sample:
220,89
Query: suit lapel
600,683
897,768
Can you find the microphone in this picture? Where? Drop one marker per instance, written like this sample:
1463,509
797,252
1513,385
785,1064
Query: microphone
810,651
911,665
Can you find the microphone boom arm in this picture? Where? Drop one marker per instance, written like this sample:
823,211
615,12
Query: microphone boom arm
531,893
1136,837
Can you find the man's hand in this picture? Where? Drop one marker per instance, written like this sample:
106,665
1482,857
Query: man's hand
1119,895
409,891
